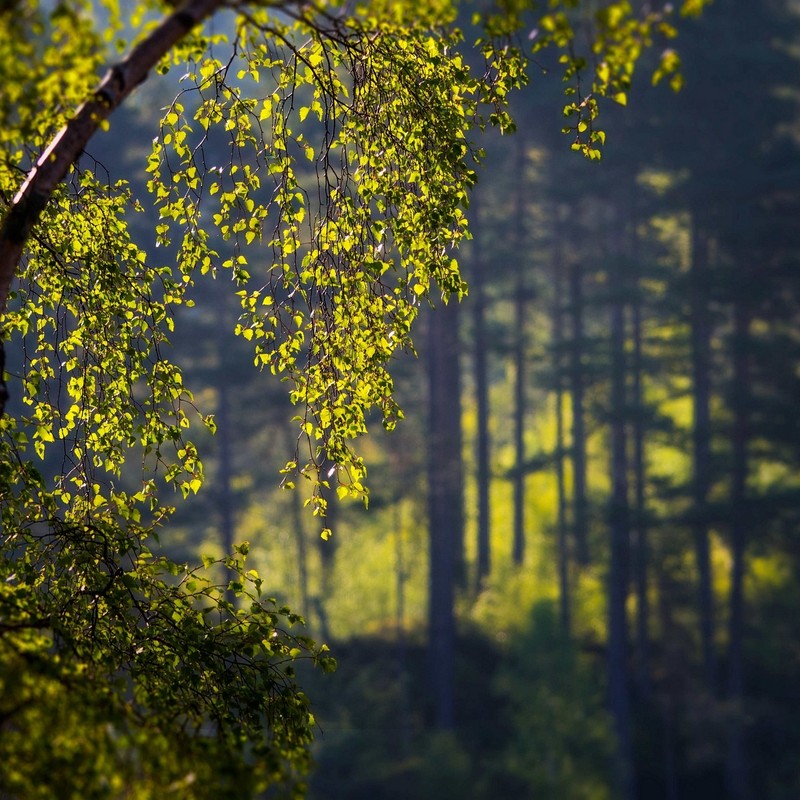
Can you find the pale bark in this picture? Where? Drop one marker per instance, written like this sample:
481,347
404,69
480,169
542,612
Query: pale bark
68,144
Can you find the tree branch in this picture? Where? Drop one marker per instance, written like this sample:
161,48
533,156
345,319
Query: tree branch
65,148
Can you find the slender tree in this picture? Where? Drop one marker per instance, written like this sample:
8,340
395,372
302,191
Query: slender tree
344,260
336,210
480,366
702,468
580,503
224,429
445,505
302,553
619,519
640,525
737,777
558,339
520,355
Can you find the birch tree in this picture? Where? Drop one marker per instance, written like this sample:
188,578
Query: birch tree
349,132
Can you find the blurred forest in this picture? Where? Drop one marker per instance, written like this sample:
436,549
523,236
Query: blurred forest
579,573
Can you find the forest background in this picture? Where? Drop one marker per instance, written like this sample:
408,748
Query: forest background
578,572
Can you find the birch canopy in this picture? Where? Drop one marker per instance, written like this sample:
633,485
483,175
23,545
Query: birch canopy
316,159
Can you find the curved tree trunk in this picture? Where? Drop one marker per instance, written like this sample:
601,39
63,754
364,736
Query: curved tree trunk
54,163
68,144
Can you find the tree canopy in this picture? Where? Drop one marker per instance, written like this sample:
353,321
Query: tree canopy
320,158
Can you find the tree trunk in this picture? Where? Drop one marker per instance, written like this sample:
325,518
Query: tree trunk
670,693
302,552
558,378
445,497
701,439
520,341
580,504
224,433
483,475
326,548
618,683
736,774
68,144
404,723
518,544
640,513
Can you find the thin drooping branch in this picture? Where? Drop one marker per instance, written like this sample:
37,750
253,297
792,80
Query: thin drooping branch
67,145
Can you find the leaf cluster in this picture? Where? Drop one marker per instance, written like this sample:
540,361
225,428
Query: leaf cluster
323,157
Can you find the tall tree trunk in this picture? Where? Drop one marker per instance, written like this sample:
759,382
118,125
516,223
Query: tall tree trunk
483,476
445,498
641,563
619,517
224,434
670,692
327,550
302,551
701,439
520,341
518,544
736,767
579,501
558,377
401,575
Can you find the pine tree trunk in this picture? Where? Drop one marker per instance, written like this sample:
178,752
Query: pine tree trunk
579,501
736,767
404,723
619,517
223,437
518,545
483,475
701,438
561,522
445,497
520,341
327,550
670,696
641,562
